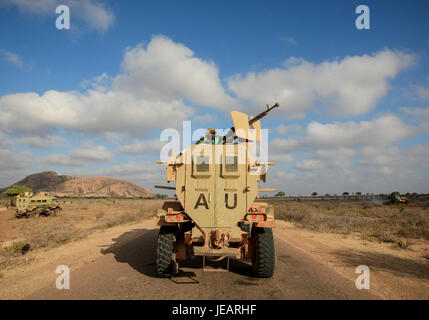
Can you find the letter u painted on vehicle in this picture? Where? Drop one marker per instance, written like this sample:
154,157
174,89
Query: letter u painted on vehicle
226,201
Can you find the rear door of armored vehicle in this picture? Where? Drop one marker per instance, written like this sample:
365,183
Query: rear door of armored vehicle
216,185
230,185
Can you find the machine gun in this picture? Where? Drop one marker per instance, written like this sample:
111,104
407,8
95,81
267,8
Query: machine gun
230,136
264,113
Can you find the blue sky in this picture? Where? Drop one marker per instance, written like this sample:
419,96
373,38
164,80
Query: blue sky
354,103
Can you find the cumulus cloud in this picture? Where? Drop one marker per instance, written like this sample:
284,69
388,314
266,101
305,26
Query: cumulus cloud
384,130
337,157
334,144
347,87
282,129
309,164
92,12
168,69
11,160
45,142
93,111
149,94
83,155
142,147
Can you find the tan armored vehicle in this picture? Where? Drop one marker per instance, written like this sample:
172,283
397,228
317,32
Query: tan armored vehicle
41,204
216,216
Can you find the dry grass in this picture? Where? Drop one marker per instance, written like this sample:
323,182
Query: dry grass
78,219
385,223
4,203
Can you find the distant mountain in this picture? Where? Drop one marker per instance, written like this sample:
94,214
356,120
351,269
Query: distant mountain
62,185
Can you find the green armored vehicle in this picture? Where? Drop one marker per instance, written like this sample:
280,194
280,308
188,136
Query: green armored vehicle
216,215
396,198
41,204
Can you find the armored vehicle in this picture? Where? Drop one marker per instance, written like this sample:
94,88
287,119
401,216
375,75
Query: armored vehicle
41,204
395,198
215,215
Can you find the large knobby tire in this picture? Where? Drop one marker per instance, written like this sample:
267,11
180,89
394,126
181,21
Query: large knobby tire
265,255
165,262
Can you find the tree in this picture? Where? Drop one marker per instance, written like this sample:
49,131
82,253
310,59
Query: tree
345,193
280,194
314,194
358,193
16,190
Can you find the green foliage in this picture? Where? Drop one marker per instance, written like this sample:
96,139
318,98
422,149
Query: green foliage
345,193
280,194
314,194
161,196
358,193
401,207
16,190
15,249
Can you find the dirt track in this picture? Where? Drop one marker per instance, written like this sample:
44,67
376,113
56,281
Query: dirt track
125,269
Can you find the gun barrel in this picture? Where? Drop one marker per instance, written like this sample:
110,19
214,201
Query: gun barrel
264,113
231,134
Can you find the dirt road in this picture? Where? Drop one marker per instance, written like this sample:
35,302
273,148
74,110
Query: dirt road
120,264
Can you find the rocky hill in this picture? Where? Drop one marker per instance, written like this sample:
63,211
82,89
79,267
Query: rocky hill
62,185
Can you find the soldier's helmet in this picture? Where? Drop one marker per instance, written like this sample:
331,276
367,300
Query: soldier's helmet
210,131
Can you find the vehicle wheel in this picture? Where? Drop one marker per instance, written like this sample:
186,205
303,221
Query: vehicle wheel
166,264
264,261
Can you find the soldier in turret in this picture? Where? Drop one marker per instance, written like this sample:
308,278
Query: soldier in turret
211,137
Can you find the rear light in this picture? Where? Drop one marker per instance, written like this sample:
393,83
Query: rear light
256,217
175,217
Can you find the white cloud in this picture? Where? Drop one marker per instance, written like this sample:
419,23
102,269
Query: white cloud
44,142
384,130
281,157
148,95
347,87
83,155
13,58
92,111
12,160
417,112
143,147
61,160
92,12
337,157
168,69
91,153
310,164
282,129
